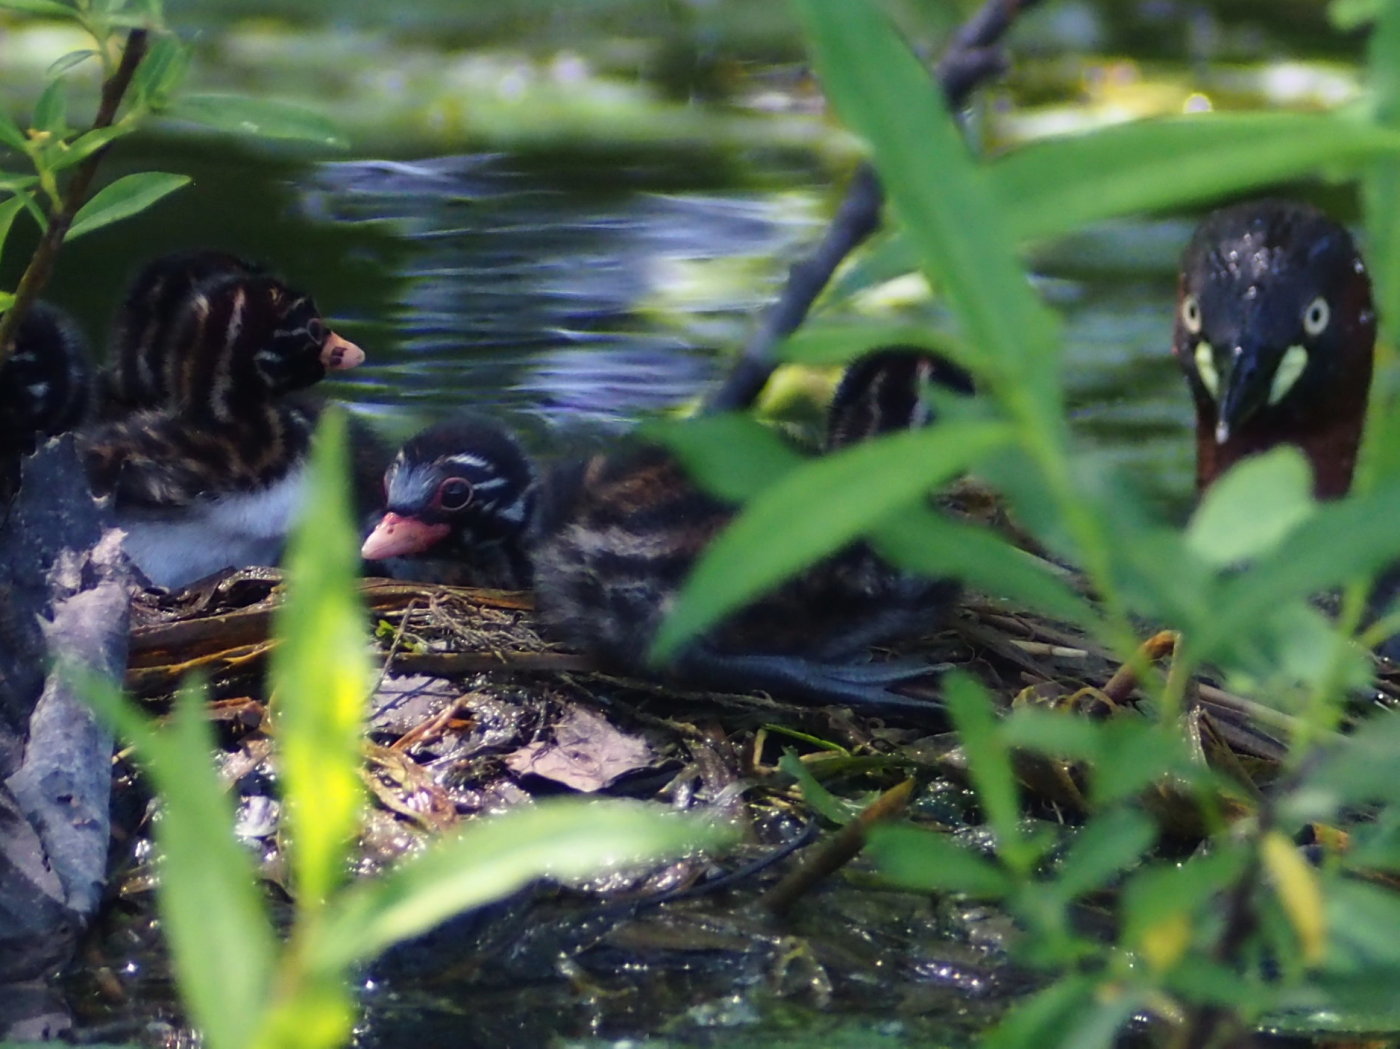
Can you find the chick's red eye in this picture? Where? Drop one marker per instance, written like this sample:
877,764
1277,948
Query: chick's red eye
454,493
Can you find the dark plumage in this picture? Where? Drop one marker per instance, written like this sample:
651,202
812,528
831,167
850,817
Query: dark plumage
611,540
145,341
1275,331
464,491
208,474
45,387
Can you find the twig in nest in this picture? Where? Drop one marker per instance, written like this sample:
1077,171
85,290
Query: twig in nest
971,57
838,851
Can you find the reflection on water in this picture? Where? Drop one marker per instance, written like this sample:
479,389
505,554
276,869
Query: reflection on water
569,306
571,301
561,306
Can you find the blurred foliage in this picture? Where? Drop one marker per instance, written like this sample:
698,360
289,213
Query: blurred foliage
1252,929
243,985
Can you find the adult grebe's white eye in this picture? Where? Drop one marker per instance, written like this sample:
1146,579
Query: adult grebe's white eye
1317,316
1191,314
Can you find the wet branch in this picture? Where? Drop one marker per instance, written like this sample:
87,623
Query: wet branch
41,265
973,55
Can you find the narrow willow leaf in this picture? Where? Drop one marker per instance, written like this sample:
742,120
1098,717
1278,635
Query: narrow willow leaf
66,62
495,857
161,72
815,510
1252,508
1296,884
1160,901
85,145
320,1014
259,116
925,861
9,209
827,805
10,134
920,540
127,196
211,913
1352,14
818,344
1060,735
1343,540
1380,198
1134,755
1350,771
1058,185
320,675
989,767
706,446
1363,919
1103,848
954,216
49,8
51,111
1044,1019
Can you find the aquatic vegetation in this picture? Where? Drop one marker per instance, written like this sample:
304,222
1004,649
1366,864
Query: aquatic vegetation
1254,927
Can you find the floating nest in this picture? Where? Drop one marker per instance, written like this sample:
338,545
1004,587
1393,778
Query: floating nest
473,712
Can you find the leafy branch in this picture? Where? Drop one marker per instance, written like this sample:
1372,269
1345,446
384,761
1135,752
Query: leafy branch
65,207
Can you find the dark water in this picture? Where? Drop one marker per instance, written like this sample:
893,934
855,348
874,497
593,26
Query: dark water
572,302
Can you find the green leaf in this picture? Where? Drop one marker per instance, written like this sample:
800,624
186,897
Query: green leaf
989,767
6,301
837,810
797,521
819,344
85,145
161,72
1164,897
1056,734
1380,188
953,215
1134,755
48,8
211,913
1352,14
66,62
1058,185
1106,846
9,209
1350,771
925,861
1045,1019
127,196
1343,540
1249,511
921,540
10,134
706,447
497,856
320,675
258,116
51,111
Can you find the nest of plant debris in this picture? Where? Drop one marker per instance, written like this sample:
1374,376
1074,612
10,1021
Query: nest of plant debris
473,710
